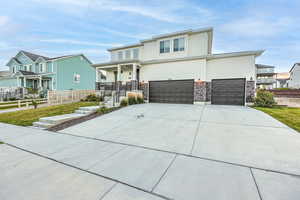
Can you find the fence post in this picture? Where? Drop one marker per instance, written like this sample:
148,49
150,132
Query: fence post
19,103
48,97
27,104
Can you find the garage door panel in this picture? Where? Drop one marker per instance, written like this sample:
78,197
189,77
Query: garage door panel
228,91
172,91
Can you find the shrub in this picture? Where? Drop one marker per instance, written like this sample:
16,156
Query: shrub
139,99
264,99
132,100
34,103
124,102
92,98
32,91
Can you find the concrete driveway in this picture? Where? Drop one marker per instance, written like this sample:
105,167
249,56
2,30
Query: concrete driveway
162,151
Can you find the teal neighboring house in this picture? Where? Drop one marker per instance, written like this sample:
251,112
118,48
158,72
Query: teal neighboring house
71,72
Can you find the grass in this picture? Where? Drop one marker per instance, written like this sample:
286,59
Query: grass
288,116
27,117
1,142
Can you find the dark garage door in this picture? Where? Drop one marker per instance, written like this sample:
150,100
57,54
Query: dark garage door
228,91
172,91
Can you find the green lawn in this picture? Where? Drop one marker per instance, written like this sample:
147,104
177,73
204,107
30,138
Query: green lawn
288,116
27,117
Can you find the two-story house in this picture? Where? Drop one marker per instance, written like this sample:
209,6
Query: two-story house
43,73
181,68
265,77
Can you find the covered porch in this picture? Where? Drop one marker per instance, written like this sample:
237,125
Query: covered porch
34,81
119,77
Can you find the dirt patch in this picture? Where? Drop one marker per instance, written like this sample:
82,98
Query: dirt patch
79,120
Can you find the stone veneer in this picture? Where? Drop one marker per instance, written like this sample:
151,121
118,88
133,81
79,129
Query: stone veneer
202,91
144,87
250,91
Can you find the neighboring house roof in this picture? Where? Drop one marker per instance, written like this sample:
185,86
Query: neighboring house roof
208,57
33,56
264,66
27,73
294,67
157,37
282,75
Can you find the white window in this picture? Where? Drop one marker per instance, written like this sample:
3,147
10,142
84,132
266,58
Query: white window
135,53
164,46
77,78
178,44
30,68
13,69
127,54
120,55
42,67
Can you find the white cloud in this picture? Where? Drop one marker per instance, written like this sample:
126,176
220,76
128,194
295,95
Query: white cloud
171,12
78,42
257,26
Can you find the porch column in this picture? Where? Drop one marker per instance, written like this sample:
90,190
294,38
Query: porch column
18,81
119,73
40,83
134,80
24,81
118,83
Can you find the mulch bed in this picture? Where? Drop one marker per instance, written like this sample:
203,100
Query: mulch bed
79,120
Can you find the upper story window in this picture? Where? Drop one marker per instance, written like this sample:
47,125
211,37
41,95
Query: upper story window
13,69
120,55
77,78
42,67
178,44
135,53
30,68
164,46
127,54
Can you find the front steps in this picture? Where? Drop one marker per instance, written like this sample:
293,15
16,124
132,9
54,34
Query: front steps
47,122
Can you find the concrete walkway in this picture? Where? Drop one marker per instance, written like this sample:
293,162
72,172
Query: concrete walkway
173,152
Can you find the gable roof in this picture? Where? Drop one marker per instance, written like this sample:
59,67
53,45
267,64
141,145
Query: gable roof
33,56
294,67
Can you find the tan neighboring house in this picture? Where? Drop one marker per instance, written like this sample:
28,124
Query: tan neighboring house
181,67
282,79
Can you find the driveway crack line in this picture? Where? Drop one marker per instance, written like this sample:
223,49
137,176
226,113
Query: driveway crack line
108,191
165,172
258,191
197,130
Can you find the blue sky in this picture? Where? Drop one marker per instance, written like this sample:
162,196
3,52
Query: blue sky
60,27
